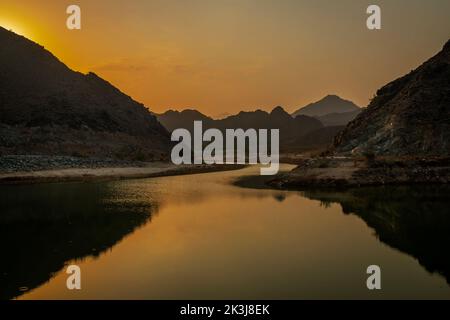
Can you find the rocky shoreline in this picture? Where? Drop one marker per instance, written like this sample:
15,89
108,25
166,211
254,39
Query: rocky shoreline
25,169
30,163
333,172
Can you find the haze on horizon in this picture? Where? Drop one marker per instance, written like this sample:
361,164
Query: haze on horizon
224,56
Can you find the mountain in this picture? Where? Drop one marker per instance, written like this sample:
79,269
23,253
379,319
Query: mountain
338,119
328,105
46,108
290,128
408,117
278,118
172,120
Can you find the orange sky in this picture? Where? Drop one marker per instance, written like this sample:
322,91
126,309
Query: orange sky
222,56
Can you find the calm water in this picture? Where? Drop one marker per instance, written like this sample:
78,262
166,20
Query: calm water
201,237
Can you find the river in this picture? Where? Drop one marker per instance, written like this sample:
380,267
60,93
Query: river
203,237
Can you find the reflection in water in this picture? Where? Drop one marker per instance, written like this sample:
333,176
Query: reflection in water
415,219
42,227
214,240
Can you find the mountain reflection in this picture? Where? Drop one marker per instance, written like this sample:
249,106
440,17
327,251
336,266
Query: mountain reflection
414,220
43,227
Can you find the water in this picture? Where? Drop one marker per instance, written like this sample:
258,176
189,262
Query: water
201,237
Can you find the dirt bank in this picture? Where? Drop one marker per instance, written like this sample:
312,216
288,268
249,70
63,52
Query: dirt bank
349,172
147,170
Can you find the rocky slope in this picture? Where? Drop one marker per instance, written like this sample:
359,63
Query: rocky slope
408,117
46,108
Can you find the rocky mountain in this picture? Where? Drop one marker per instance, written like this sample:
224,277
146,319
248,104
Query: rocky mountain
408,117
329,105
172,120
290,128
278,118
46,108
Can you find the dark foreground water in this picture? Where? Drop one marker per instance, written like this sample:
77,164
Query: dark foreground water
200,237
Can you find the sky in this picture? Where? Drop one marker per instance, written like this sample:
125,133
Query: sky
224,56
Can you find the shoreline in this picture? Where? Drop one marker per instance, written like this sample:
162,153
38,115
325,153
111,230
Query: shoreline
342,172
35,169
150,170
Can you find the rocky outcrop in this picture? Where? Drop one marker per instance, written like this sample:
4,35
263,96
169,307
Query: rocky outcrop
334,172
408,117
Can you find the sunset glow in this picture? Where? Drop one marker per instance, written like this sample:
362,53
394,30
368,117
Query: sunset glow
225,56
13,26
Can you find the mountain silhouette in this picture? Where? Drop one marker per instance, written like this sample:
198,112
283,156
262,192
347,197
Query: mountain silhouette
329,105
172,120
291,129
408,117
46,108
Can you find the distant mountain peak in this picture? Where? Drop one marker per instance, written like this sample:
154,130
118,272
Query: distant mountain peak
327,105
278,108
279,111
173,119
191,111
188,111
